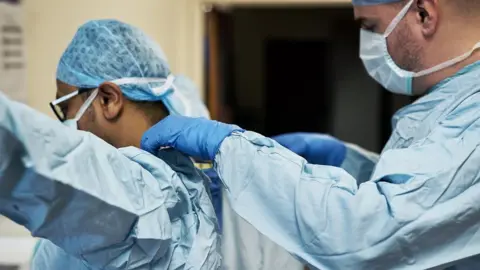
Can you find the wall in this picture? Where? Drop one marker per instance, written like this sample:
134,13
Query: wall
356,97
50,24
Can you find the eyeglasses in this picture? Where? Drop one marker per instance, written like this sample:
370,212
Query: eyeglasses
59,110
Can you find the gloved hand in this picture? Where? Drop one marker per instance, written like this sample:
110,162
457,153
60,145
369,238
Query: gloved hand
196,137
316,148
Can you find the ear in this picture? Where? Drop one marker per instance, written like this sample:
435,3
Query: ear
111,100
427,15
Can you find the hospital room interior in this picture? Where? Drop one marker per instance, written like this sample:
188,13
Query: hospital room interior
270,66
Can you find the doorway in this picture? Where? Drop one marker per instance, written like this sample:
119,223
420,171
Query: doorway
296,86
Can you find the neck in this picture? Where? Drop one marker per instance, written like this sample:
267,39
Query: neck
131,135
453,39
130,130
425,83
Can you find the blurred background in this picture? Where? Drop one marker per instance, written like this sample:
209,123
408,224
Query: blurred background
272,66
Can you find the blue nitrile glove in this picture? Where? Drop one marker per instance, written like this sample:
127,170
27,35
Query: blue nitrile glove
196,137
316,148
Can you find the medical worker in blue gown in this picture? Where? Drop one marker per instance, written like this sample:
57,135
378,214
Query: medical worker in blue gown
106,204
81,67
415,206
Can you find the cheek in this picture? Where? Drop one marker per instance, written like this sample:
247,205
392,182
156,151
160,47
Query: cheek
404,46
88,121
400,44
394,50
73,107
94,124
85,124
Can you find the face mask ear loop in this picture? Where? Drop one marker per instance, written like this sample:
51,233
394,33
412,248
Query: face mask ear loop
397,19
85,105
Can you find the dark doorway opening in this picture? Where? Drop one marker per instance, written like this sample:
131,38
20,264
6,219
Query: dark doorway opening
297,86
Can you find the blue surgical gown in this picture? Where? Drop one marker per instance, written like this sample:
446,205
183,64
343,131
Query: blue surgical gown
216,192
417,209
99,207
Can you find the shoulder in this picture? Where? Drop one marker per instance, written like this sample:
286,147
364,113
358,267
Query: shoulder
158,166
462,120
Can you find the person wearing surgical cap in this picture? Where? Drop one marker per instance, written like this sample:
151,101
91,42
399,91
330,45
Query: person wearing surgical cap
115,82
95,198
413,206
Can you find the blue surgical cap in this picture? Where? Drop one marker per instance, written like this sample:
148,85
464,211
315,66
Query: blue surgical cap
372,2
109,50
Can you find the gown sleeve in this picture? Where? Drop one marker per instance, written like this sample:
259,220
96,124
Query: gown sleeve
419,208
80,193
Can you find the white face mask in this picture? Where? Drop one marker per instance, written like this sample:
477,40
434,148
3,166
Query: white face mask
73,123
380,65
